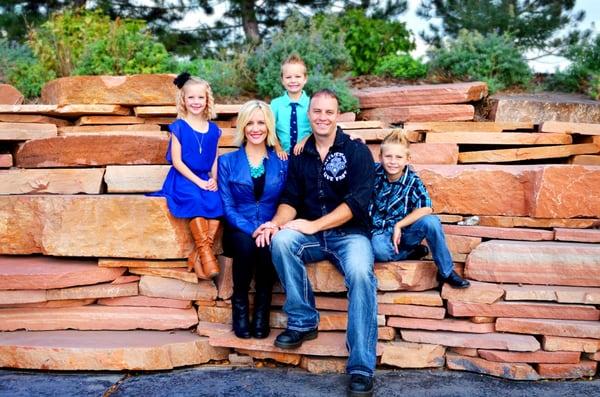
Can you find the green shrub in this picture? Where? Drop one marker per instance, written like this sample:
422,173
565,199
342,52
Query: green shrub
401,67
491,58
29,76
318,81
11,54
222,76
369,39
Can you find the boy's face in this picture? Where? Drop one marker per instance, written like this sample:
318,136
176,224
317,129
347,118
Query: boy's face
195,98
393,158
293,77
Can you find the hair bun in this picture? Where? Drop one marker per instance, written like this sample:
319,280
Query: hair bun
181,79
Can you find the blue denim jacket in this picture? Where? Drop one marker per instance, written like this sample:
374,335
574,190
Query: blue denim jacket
242,211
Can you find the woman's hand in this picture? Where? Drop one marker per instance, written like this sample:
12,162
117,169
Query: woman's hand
264,233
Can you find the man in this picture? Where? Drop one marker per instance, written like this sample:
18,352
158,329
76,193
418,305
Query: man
323,214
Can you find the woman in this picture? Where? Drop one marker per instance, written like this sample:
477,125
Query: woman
251,180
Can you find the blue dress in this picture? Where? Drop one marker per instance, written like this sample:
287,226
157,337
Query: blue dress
184,198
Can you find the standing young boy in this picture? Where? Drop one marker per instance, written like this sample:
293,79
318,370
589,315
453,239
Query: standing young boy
291,109
401,213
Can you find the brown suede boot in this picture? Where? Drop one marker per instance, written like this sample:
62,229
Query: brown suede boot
210,265
194,260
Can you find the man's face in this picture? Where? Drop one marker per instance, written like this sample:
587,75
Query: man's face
323,114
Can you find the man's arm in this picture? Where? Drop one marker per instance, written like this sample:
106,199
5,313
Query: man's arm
340,215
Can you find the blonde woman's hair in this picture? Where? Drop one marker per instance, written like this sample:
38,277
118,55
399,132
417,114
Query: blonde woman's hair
209,111
293,59
397,137
244,116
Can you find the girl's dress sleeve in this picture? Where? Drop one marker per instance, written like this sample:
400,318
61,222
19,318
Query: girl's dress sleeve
175,129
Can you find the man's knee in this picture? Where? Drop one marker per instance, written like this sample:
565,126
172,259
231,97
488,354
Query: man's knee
285,240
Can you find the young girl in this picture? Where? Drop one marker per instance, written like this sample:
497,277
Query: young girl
190,187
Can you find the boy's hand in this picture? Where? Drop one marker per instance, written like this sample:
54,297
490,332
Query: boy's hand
397,236
299,148
282,154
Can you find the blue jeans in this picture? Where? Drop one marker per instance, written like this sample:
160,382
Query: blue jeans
352,255
429,228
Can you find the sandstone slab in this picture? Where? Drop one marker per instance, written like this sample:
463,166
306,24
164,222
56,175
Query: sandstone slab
33,118
40,273
469,126
499,138
497,341
26,131
224,280
6,160
9,95
461,244
114,226
546,262
146,89
524,310
321,302
160,287
411,311
176,273
478,292
427,94
413,355
57,181
530,357
95,317
463,351
511,221
135,263
425,298
140,300
12,297
560,343
86,150
386,333
500,232
107,129
512,371
135,178
583,369
285,358
105,350
585,295
53,304
93,291
126,279
526,153
585,159
108,120
402,114
581,235
64,111
323,365
426,153
570,128
572,328
440,325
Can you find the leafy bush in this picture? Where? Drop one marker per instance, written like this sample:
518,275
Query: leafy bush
369,39
29,76
222,76
11,54
491,58
401,66
321,49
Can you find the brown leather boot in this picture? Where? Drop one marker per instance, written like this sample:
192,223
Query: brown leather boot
194,260
210,265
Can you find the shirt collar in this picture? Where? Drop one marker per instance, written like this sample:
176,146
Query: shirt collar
338,143
301,101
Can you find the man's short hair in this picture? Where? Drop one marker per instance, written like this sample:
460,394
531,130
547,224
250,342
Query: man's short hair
326,92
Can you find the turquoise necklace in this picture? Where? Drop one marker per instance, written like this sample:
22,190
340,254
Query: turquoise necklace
258,171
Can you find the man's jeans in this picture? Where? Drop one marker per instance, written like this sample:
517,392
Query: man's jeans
352,255
427,227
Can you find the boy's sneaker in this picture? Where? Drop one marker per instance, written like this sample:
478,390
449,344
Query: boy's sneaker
360,385
454,280
418,252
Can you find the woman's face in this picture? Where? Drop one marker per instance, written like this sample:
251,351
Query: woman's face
255,130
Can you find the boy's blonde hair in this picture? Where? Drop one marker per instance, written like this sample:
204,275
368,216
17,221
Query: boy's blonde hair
397,137
209,111
244,116
293,59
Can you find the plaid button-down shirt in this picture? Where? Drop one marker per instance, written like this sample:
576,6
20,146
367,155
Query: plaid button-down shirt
392,201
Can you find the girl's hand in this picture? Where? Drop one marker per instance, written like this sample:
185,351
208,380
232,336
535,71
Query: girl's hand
282,154
211,185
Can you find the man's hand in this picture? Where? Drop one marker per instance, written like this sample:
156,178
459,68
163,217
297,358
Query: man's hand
302,226
397,237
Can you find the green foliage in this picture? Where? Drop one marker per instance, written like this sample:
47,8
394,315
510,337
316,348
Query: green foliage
11,54
319,46
29,76
401,66
222,76
318,81
369,39
491,58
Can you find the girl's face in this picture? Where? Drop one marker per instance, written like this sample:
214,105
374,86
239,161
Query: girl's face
393,158
255,130
195,98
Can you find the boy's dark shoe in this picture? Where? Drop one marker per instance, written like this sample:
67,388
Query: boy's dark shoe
290,339
360,385
418,253
454,280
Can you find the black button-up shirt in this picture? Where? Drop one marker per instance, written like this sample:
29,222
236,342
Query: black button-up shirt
315,188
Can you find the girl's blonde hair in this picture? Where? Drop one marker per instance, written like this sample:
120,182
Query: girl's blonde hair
244,116
209,111
397,137
294,58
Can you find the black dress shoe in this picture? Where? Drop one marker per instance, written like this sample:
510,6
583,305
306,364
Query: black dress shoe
455,280
360,385
418,252
290,339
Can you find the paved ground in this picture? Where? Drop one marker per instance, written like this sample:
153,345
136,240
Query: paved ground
225,382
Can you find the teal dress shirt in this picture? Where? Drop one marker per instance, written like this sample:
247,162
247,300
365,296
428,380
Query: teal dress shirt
283,111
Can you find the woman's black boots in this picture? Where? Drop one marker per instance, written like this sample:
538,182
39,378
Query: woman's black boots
262,314
240,316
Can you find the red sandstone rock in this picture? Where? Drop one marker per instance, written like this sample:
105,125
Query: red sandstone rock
411,311
413,355
22,296
559,343
386,333
440,325
25,131
572,371
583,235
524,310
105,350
77,151
511,221
464,351
145,301
206,328
176,273
286,358
53,225
402,114
425,298
126,279
477,293
6,160
555,263
593,356
586,295
9,95
323,365
135,178
574,328
33,118
481,366
67,181
53,304
224,280
133,263
481,341
461,244
426,153
428,94
322,302
139,89
530,357
95,317
160,287
500,232
93,291
38,272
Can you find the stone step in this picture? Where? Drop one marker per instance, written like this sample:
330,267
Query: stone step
6,160
17,297
401,114
478,292
105,350
53,304
461,244
514,371
133,263
33,118
572,328
161,287
514,221
74,110
176,273
413,355
584,369
467,126
530,357
585,159
96,317
426,153
497,341
524,310
55,181
581,235
425,298
555,263
571,344
421,312
148,301
96,291
428,94
499,138
503,233
105,129
530,153
440,325
41,272
585,295
135,178
26,131
571,128
96,120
